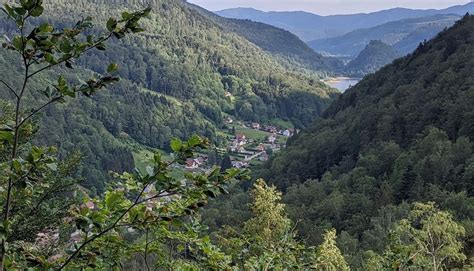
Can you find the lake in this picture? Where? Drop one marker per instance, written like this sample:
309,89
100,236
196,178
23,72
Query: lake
342,83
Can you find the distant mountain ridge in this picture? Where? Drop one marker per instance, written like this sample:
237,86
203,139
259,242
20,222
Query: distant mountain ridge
309,26
404,35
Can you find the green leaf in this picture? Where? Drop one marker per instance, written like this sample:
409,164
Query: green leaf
194,141
20,11
8,10
65,46
49,58
37,11
112,67
100,47
176,144
17,42
16,165
6,136
45,28
113,199
111,24
126,16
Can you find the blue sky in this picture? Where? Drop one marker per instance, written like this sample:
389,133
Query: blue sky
326,7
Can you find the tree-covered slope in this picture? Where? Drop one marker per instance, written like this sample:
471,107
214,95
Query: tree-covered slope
176,77
374,56
402,134
278,42
404,35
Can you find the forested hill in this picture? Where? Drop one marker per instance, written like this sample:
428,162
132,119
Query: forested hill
403,134
431,87
176,80
375,55
278,42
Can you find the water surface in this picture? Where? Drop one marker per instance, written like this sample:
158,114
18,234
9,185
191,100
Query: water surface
342,83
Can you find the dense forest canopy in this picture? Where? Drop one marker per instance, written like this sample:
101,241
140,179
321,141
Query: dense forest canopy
176,77
403,134
281,43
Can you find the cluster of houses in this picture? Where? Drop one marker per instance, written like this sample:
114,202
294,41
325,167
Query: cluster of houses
243,149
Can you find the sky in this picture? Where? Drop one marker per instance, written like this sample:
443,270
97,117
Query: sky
327,7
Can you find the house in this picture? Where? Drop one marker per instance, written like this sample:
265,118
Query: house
240,164
271,129
286,133
264,157
200,161
256,126
272,139
237,148
229,120
241,139
191,163
261,147
228,94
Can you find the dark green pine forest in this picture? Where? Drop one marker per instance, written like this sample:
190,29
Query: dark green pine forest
380,177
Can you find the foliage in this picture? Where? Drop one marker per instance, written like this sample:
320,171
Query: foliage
174,80
48,222
277,42
269,222
427,239
401,135
268,240
329,255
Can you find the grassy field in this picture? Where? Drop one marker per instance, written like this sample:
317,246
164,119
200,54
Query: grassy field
251,133
257,135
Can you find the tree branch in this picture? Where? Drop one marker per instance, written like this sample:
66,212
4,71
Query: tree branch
39,109
104,39
9,88
114,225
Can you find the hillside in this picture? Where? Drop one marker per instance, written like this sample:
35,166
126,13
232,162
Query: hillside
403,35
309,26
280,43
374,56
403,134
176,81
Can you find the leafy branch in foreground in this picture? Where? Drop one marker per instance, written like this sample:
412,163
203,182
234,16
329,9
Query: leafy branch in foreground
142,202
26,171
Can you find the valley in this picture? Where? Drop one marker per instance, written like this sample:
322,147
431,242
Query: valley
161,135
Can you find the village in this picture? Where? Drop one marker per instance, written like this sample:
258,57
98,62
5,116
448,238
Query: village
247,145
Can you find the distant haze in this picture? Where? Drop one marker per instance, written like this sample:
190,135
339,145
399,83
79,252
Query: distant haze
327,7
